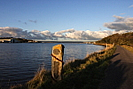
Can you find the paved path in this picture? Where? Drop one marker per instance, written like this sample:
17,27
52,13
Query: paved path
119,75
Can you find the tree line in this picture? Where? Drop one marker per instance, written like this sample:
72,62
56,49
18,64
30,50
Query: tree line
118,39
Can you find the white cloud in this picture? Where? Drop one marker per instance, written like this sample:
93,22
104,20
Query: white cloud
60,33
65,31
120,23
99,34
48,33
83,35
12,32
118,18
130,6
64,34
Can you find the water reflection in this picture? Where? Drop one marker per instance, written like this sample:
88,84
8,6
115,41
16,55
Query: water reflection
19,62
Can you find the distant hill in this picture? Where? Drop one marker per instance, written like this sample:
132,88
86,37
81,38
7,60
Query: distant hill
120,39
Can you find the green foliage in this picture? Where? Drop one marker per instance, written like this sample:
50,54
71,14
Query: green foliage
119,39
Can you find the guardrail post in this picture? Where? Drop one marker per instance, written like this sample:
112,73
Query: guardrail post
57,62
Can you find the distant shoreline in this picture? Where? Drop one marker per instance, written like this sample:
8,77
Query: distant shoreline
65,41
23,40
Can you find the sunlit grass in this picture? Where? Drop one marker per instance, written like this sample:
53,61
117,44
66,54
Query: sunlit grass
41,77
130,48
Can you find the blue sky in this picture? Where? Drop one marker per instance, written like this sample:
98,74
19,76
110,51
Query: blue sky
57,15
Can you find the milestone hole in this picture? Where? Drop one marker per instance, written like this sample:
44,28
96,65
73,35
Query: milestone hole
56,51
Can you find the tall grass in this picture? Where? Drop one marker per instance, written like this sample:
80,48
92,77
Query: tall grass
41,78
77,74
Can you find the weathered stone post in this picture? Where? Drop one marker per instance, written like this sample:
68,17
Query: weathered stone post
57,62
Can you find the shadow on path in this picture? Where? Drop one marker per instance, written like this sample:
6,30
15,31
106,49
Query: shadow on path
119,75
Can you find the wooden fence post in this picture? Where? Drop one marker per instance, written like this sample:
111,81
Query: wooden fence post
57,62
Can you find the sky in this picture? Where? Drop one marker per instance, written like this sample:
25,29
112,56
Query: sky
50,17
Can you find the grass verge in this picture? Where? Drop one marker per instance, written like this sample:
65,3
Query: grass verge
130,48
78,74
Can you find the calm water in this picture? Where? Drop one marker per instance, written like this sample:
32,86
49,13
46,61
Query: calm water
19,62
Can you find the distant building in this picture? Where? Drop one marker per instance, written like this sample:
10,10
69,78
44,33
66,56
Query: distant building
32,41
12,40
6,39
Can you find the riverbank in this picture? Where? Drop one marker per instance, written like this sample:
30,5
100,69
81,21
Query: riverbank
82,74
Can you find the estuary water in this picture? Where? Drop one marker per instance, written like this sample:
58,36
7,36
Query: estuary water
20,61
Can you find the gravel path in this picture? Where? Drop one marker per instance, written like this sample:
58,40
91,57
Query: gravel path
119,75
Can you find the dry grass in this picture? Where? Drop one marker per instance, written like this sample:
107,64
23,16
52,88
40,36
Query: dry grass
38,79
41,77
130,48
19,86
